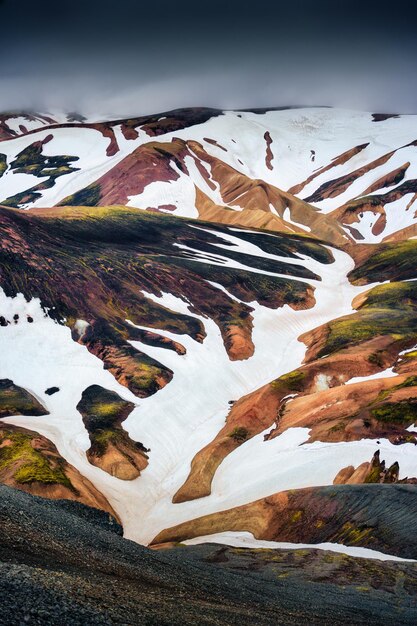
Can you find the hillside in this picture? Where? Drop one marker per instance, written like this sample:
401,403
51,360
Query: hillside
208,323
63,561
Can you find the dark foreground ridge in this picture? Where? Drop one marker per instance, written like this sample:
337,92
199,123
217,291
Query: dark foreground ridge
62,562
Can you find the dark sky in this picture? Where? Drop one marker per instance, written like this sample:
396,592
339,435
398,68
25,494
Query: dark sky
126,57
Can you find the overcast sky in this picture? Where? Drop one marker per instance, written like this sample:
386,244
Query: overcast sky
116,58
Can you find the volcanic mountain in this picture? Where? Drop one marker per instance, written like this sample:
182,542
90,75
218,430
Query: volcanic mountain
208,323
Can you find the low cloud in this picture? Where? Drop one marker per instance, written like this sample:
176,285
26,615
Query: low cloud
137,59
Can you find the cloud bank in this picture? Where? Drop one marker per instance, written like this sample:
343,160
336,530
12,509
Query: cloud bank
104,58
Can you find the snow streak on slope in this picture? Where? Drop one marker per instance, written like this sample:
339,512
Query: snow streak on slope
247,540
41,354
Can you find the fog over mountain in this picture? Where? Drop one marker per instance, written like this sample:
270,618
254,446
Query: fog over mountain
125,58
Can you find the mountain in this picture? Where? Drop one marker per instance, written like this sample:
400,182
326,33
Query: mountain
208,323
342,175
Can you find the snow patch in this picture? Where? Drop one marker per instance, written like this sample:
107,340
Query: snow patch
247,540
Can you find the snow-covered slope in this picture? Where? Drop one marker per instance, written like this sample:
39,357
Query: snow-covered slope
252,362
359,169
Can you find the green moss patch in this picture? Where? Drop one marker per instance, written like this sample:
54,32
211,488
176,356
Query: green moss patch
293,381
376,358
102,409
402,413
353,535
396,295
390,261
103,412
89,196
239,434
296,516
411,381
16,451
367,324
3,164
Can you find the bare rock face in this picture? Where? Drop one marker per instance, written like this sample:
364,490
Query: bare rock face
111,448
31,463
238,342
370,472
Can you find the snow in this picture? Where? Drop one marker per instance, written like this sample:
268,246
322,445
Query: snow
246,247
81,326
294,133
14,123
359,186
212,259
322,382
388,373
247,540
260,468
364,226
398,217
180,193
287,217
86,143
407,350
16,183
186,414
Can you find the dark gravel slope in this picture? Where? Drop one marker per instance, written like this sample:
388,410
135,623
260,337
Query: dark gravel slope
63,563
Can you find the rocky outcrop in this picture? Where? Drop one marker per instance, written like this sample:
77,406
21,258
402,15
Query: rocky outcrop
370,472
15,400
111,448
378,408
238,342
31,463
